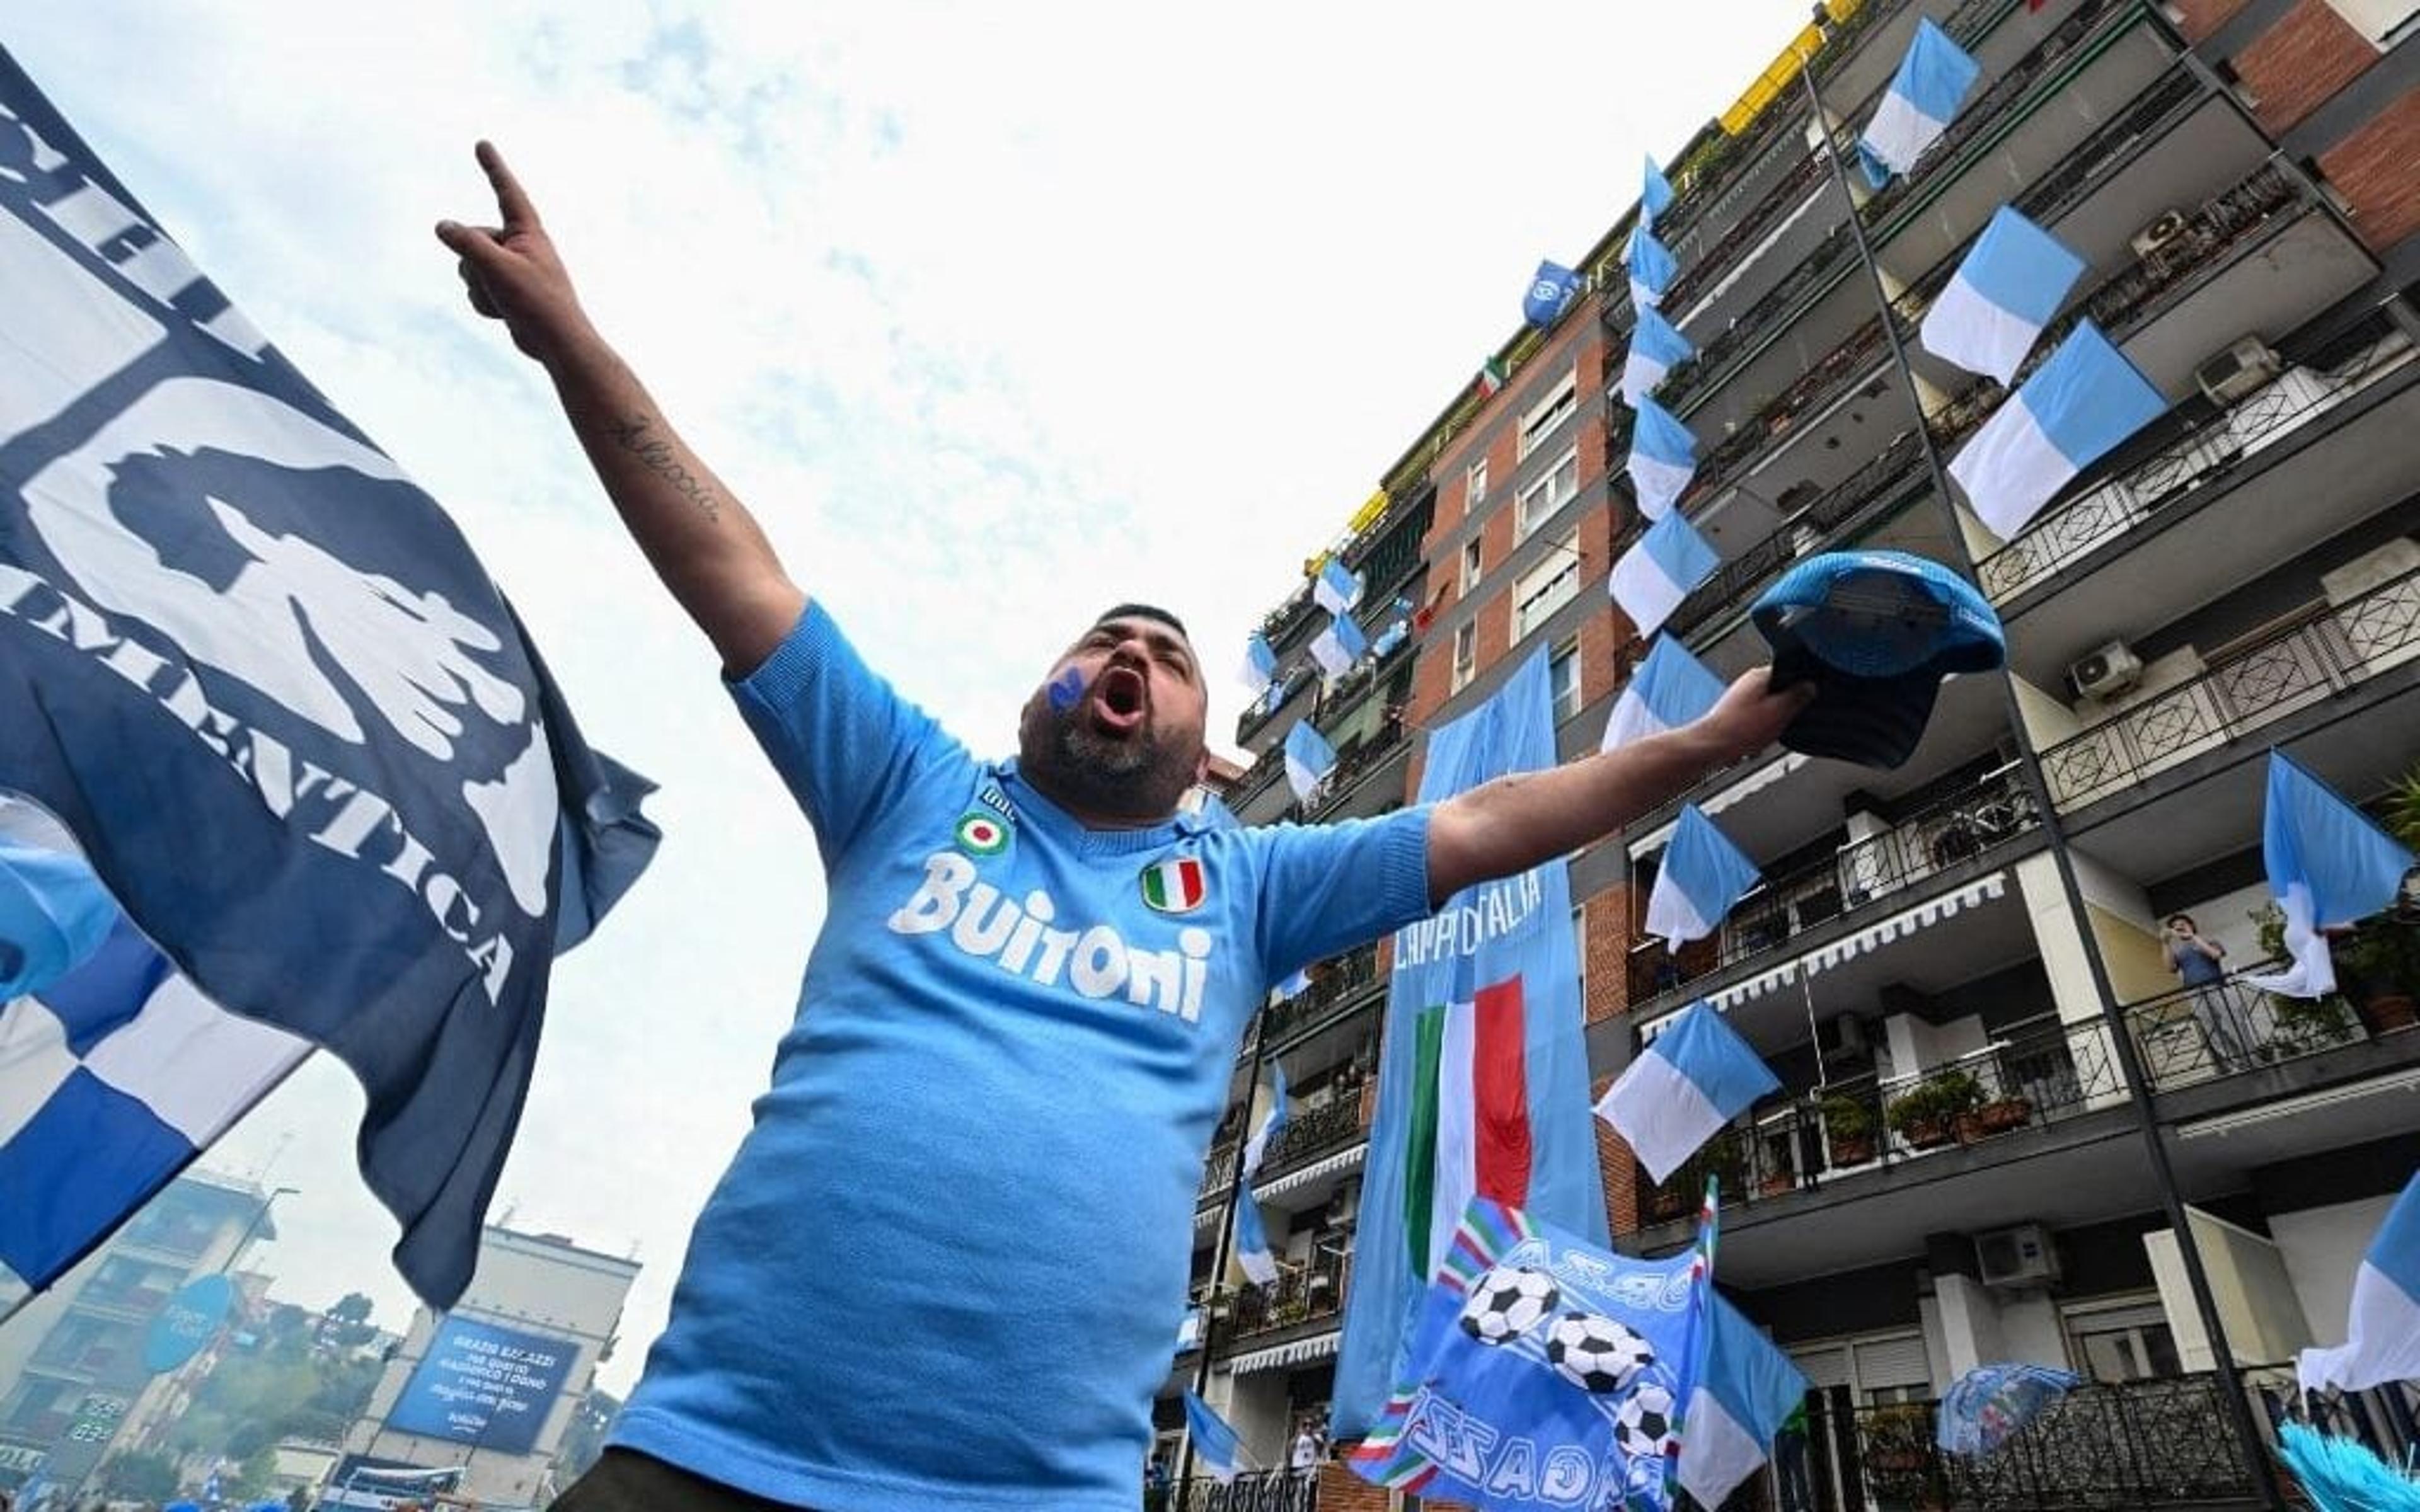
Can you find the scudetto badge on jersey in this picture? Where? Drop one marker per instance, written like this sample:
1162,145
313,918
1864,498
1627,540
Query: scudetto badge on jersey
982,834
1178,887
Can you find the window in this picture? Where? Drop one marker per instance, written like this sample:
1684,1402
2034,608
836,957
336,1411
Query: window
1466,654
1538,503
1563,678
1470,564
1546,587
1579,949
1546,415
1473,492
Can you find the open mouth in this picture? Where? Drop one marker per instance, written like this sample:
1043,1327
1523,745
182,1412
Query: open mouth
1120,701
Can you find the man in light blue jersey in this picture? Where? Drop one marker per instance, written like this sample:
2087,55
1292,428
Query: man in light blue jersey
944,1269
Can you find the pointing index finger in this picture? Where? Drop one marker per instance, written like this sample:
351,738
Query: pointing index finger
511,199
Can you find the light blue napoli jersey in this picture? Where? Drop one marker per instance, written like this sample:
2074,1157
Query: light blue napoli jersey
946,1268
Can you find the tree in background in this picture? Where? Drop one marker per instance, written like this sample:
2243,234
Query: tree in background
142,1477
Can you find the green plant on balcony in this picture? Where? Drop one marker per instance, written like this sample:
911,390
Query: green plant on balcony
1927,1114
1726,1158
1848,1128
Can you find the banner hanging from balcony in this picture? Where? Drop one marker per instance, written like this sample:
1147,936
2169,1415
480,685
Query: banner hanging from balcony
1692,1079
1483,1085
1671,688
1216,1447
1921,101
2383,1333
1663,458
1309,759
1702,878
1659,570
1654,192
1546,1373
1552,289
2005,291
2077,406
1339,646
1652,268
2328,864
114,1072
1656,349
1260,668
285,711
1746,1393
1337,588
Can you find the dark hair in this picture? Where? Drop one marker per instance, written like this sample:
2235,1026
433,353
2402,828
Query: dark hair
2187,917
1145,611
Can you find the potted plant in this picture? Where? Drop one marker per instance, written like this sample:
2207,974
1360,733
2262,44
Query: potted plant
2307,1024
2002,1114
1848,1128
2382,961
1915,1116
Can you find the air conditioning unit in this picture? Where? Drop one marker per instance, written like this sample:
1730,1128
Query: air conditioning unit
2169,226
2107,673
2019,1256
2244,366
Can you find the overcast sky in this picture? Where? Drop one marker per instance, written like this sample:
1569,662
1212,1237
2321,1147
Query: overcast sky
994,316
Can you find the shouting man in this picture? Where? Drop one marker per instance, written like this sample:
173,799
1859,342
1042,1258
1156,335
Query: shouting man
944,1271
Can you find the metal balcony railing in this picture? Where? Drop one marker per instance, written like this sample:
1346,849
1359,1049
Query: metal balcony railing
2033,1074
1950,831
1218,1172
1333,982
1254,1490
2208,451
2199,1034
2334,647
1301,1294
1856,355
1317,1132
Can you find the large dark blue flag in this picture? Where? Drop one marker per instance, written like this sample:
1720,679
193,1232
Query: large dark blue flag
260,676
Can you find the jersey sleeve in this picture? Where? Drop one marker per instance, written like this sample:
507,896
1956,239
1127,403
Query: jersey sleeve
1328,887
842,738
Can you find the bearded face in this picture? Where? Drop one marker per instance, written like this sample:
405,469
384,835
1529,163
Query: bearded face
1116,733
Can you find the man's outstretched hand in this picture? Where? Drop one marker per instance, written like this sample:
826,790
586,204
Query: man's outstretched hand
1750,715
512,270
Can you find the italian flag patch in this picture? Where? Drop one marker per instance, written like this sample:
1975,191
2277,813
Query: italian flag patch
1175,887
979,834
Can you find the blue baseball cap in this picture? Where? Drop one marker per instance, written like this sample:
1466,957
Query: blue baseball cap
1875,632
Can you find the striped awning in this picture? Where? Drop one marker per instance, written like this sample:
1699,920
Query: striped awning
1292,1353
1343,1160
1849,947
1753,783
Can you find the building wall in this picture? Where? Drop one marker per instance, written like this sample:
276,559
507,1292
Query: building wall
2322,1248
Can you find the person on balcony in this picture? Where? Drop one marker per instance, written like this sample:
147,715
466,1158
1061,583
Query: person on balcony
2198,962
945,1267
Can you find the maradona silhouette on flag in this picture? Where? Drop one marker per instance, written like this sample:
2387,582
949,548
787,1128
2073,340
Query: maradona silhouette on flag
1544,1373
260,677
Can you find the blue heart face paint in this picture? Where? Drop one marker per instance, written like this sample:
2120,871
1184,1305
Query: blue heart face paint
1066,689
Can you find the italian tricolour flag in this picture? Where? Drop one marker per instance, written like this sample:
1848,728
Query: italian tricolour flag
1469,1128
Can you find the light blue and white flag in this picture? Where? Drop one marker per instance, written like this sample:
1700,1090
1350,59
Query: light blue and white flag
1272,1124
1296,986
1309,759
1748,1390
1922,101
2084,400
383,821
2327,866
1659,570
1656,349
1663,457
115,1073
1652,268
1703,876
54,915
1338,588
1552,288
1395,634
1253,1252
1654,194
2012,282
1215,1448
2383,1332
1260,666
1669,689
1338,647
1693,1078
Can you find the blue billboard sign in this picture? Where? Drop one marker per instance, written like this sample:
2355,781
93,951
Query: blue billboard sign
484,1385
186,1321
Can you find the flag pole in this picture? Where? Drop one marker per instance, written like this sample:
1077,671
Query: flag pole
2237,1409
1221,1254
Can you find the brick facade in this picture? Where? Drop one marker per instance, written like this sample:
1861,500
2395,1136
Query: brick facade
2377,169
2293,67
2199,18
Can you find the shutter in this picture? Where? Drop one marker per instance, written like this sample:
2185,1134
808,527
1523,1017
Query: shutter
1892,1362
1825,1366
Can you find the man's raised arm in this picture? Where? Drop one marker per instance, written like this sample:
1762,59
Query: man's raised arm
1515,823
702,543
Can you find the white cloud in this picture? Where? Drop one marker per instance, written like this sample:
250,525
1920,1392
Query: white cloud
994,316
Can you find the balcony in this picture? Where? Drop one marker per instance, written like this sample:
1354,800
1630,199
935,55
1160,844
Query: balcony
2197,1035
1337,984
1308,1293
2031,1075
1313,1135
2330,650
2203,457
1948,833
1217,1175
1254,1490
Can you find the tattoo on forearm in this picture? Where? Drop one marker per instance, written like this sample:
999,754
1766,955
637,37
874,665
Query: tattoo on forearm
633,435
